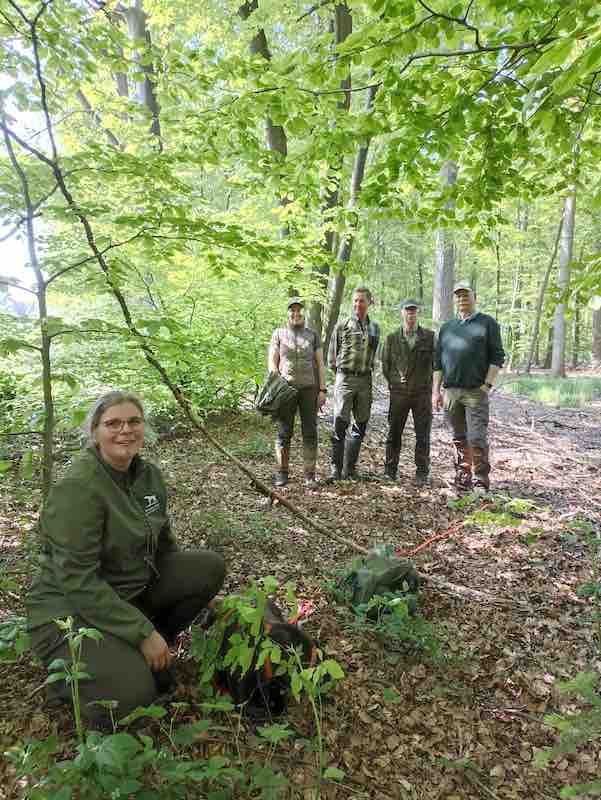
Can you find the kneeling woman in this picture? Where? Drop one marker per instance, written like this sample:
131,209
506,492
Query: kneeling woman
112,563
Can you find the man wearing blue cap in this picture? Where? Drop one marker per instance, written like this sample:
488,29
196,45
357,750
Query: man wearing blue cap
407,358
469,355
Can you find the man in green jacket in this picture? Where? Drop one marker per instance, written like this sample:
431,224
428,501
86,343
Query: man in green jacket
351,356
407,358
469,355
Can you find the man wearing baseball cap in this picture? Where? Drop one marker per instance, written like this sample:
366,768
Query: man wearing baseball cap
407,358
469,355
296,354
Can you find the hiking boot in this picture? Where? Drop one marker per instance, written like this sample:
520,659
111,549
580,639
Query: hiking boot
351,456
422,478
282,456
391,463
310,482
309,461
463,465
335,473
280,479
481,469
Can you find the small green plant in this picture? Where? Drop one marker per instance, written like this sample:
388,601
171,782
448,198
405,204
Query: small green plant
576,729
239,642
14,639
72,670
393,617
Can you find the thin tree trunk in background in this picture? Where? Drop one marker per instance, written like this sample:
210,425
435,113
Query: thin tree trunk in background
420,281
576,337
145,91
346,243
558,366
549,351
444,276
596,346
277,141
498,275
541,300
342,27
516,325
45,338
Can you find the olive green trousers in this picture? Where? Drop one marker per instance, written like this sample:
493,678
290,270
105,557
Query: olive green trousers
118,670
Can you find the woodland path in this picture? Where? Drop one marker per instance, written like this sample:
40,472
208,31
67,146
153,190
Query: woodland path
466,726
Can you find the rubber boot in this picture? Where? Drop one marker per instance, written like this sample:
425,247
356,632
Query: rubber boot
391,463
463,465
336,458
309,460
351,456
282,456
481,468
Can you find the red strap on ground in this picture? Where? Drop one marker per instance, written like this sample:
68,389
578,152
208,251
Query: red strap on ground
436,538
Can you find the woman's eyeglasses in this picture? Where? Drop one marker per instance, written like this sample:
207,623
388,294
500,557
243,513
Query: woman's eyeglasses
118,424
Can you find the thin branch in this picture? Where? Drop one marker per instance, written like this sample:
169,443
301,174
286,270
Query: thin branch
459,20
60,272
23,433
5,282
97,119
314,8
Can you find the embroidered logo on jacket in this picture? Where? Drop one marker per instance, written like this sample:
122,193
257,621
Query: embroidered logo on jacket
151,503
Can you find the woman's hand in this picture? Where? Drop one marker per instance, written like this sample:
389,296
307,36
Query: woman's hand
156,652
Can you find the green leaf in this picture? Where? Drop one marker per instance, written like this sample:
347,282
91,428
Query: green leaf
334,774
186,735
391,695
275,733
154,712
556,55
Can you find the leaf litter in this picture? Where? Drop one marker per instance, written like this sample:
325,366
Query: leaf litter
399,726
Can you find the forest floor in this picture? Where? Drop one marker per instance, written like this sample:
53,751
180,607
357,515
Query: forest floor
465,725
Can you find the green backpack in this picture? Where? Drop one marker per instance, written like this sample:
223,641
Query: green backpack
381,573
274,394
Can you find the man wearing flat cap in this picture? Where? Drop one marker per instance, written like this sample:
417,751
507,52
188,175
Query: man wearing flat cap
469,355
296,354
407,358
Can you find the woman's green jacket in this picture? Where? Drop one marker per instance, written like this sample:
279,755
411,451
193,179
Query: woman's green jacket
103,531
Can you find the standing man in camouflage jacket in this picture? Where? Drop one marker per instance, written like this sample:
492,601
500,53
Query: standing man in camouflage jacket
296,354
407,358
351,355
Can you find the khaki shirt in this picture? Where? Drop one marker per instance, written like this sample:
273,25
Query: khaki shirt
297,347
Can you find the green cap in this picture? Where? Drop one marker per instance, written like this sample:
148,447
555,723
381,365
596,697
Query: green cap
409,303
295,301
462,286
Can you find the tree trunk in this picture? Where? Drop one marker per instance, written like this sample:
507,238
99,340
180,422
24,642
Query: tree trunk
558,367
576,337
541,299
45,338
515,317
444,276
596,346
145,93
346,243
549,350
342,28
